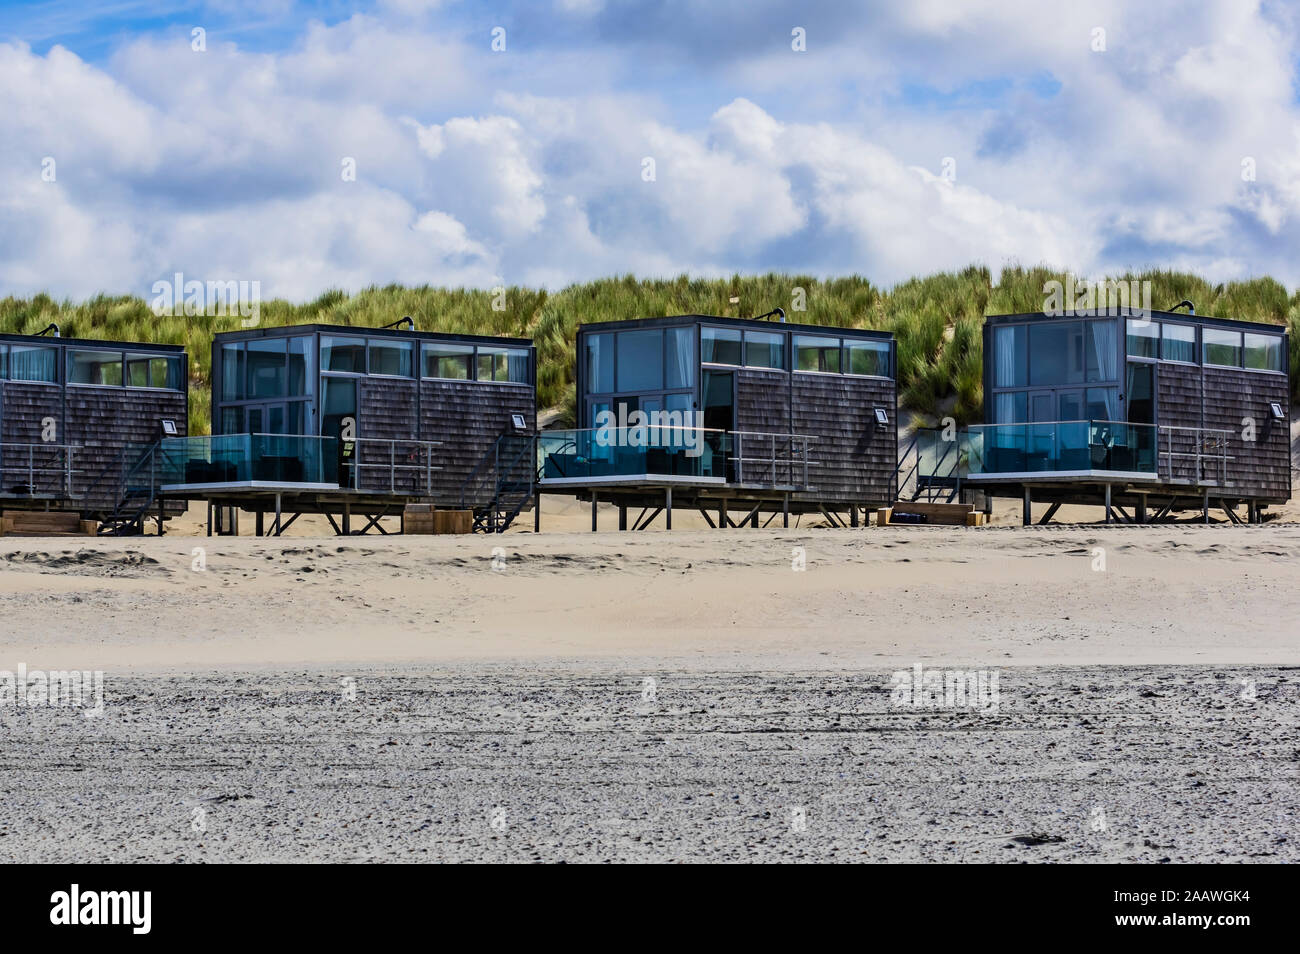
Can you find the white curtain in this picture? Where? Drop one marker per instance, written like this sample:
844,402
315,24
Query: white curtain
1004,348
1104,349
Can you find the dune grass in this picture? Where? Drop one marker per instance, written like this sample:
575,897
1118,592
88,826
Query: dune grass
937,319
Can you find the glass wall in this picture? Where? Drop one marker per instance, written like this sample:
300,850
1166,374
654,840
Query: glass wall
267,385
1055,371
652,370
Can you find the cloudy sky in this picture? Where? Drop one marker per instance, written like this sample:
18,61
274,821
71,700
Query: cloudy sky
318,145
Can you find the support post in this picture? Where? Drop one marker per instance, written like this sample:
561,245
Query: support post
1252,511
277,515
593,511
622,516
347,519
209,518
668,508
722,515
785,511
1205,502
258,527
853,516
1140,510
537,512
1108,503
1027,511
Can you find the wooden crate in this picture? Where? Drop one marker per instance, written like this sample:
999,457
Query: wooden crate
39,523
936,514
429,520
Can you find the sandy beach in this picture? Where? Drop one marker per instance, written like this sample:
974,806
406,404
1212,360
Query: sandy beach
655,696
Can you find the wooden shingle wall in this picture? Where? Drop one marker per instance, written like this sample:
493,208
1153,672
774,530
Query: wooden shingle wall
467,417
388,412
105,420
102,421
1261,467
854,459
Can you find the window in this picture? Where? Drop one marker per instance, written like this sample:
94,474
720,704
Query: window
4,362
95,367
641,360
1143,338
302,366
1103,404
1141,393
137,370
679,344
167,373
267,375
868,357
389,356
1222,347
1010,359
343,354
600,363
817,354
153,371
232,373
1011,407
1178,343
720,346
1056,353
447,360
32,363
764,349
503,364
1263,352
1100,351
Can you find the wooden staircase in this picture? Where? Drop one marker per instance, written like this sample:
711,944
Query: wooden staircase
906,512
42,523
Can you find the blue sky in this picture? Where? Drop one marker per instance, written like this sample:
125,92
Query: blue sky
900,140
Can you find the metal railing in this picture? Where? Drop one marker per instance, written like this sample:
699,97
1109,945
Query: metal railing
412,464
790,450
1175,454
753,457
1200,446
39,469
377,465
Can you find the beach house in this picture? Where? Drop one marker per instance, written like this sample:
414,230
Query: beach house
78,421
744,420
1144,413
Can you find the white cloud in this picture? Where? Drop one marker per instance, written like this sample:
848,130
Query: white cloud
529,164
